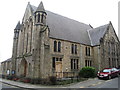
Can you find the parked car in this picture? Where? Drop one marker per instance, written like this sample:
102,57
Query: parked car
108,73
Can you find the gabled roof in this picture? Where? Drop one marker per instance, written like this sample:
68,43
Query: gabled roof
65,28
96,34
28,12
71,30
18,26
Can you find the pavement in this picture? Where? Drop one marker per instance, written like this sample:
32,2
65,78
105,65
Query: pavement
31,86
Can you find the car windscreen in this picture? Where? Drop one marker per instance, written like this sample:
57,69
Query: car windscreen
106,70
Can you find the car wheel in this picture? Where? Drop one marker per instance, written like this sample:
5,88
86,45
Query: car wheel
109,77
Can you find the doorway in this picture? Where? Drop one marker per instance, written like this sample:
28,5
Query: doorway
24,67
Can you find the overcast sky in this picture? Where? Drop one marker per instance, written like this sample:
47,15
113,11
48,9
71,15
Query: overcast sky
94,12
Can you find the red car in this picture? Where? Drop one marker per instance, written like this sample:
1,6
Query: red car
108,73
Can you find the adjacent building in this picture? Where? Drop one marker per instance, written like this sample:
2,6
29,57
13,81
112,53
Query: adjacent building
46,43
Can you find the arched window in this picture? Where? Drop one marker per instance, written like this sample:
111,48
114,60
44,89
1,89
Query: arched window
42,18
55,46
86,51
75,49
59,46
35,17
38,18
72,48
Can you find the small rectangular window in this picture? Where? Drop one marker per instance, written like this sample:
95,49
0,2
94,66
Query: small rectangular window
71,63
86,63
74,64
53,62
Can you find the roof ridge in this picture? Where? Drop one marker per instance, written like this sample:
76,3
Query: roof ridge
90,38
67,17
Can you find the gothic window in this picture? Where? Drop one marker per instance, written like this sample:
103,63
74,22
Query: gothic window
59,46
31,35
38,17
87,50
27,43
35,18
74,64
42,18
72,48
55,46
75,49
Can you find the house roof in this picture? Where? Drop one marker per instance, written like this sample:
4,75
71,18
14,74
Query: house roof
67,29
96,34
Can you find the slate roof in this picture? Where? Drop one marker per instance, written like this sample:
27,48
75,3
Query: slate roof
67,29
71,30
96,34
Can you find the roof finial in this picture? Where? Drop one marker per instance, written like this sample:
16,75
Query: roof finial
28,2
41,7
17,26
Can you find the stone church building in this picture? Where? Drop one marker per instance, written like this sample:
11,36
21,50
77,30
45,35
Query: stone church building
45,43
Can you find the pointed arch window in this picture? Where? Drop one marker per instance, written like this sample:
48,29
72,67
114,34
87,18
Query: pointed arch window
38,17
72,48
59,46
55,46
87,50
75,49
35,17
42,18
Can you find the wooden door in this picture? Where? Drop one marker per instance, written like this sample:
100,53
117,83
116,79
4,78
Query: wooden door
25,68
58,69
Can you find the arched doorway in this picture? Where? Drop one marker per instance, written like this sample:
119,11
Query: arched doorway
24,67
